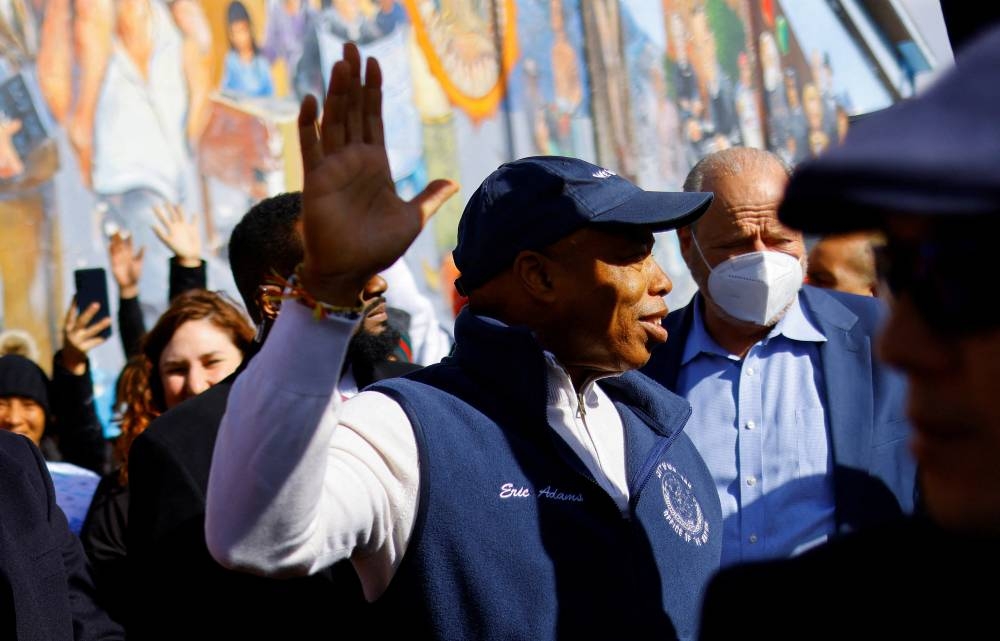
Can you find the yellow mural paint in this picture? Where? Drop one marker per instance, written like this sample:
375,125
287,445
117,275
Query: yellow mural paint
465,87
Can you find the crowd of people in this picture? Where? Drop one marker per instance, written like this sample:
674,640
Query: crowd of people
775,459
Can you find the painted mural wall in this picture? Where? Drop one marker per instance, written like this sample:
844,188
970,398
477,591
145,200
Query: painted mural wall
111,107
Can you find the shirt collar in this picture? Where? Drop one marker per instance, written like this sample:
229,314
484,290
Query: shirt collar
794,325
560,383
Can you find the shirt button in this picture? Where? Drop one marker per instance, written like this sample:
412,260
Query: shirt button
753,538
750,425
751,481
749,371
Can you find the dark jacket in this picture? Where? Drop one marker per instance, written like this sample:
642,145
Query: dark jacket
79,437
177,590
903,580
45,590
514,538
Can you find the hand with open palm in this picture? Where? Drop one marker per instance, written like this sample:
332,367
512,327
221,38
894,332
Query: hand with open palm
354,223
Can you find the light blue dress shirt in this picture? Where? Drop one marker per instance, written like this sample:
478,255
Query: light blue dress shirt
760,424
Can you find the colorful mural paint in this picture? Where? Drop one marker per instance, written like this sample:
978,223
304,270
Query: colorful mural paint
111,107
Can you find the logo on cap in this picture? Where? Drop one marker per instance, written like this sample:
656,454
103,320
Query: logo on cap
603,173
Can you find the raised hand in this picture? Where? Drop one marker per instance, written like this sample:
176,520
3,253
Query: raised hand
79,336
354,224
126,265
179,234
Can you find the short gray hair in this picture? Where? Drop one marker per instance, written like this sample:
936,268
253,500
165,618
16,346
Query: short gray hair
731,162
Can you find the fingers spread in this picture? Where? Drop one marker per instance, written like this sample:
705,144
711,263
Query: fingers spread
312,151
332,130
71,314
433,196
355,102
162,234
374,130
93,330
162,214
88,315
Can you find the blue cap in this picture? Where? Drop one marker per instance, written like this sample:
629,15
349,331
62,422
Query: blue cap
534,202
930,155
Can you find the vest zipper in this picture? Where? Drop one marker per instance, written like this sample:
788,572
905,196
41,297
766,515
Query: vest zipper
581,409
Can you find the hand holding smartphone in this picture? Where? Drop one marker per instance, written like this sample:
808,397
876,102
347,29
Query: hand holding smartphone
92,287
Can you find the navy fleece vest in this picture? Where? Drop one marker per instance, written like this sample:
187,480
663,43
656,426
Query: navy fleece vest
514,539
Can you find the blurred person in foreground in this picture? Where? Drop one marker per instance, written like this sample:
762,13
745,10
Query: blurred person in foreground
803,429
45,588
530,486
924,172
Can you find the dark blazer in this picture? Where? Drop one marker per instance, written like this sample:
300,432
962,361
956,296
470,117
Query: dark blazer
45,589
902,580
177,589
874,474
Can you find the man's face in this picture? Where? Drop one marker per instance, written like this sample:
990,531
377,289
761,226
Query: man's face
375,339
610,299
844,263
953,402
376,319
23,416
742,219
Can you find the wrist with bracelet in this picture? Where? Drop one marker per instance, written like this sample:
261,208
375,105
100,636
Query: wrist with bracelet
292,289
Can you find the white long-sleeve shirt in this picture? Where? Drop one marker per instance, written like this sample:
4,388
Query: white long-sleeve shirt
302,478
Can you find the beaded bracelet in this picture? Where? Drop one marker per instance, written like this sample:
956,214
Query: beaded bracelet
293,290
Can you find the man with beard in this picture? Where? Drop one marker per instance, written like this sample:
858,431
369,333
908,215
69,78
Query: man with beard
177,588
803,431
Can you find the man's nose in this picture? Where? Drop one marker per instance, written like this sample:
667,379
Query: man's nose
659,283
375,287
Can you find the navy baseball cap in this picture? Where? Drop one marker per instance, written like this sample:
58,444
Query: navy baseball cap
938,153
533,202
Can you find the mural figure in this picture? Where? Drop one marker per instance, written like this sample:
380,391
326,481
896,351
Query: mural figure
288,23
566,78
138,78
30,256
247,72
796,142
747,109
720,124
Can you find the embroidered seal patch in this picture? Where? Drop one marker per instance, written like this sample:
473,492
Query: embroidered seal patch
683,513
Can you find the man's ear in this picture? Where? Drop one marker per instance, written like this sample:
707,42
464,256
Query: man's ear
533,271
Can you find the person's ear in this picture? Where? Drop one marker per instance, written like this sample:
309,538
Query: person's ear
534,271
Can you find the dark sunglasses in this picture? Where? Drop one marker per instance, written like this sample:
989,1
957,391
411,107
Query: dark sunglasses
943,278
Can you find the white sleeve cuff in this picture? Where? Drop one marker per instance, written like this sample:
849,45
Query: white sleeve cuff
308,354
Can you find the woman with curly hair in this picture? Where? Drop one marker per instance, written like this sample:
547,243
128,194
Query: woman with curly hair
201,339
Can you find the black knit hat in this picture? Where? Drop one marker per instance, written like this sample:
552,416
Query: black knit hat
21,377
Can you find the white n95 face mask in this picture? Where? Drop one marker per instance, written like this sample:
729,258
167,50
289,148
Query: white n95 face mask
754,287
